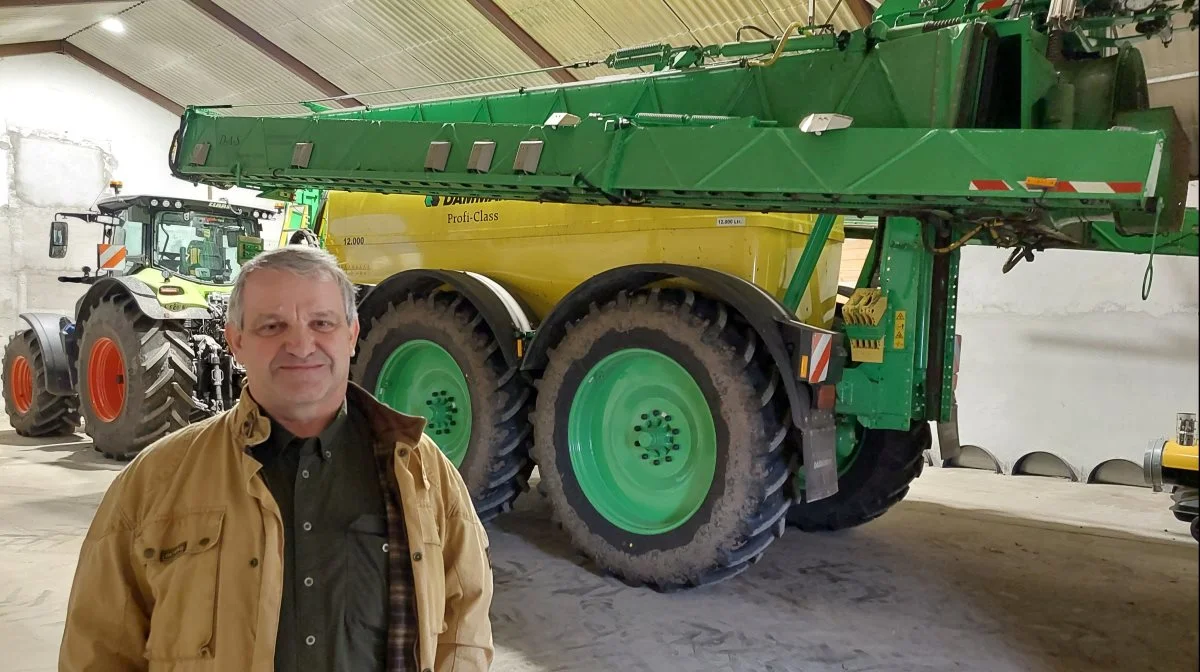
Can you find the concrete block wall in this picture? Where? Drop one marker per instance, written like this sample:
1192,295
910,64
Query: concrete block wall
65,132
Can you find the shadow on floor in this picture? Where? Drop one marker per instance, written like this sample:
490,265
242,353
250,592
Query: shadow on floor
10,437
77,451
924,588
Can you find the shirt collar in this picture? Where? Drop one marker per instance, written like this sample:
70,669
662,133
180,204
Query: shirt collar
323,443
386,424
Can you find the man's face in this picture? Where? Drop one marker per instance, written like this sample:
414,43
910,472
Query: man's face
294,343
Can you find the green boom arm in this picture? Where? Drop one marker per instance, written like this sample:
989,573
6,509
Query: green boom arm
987,123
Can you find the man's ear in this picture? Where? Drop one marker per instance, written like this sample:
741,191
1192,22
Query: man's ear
233,337
354,329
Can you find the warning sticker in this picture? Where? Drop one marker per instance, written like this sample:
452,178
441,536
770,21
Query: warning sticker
898,330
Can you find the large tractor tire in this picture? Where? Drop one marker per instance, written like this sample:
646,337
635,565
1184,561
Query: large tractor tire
883,465
136,377
32,410
434,356
659,434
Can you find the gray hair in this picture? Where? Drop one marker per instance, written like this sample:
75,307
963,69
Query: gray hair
298,259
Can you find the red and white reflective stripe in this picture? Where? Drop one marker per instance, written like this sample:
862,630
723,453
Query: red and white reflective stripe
991,5
821,352
111,256
1064,187
990,185
1080,187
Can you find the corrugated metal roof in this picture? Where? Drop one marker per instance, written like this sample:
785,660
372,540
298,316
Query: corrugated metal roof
39,24
183,54
575,30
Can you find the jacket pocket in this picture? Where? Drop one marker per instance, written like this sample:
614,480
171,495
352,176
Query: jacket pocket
181,555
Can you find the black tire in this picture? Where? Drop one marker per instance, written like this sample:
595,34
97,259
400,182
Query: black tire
1196,528
887,463
48,414
496,466
742,514
159,377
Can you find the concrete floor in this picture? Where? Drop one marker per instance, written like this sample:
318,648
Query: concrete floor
974,572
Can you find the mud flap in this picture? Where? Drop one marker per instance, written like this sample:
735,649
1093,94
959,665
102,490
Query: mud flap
949,445
818,441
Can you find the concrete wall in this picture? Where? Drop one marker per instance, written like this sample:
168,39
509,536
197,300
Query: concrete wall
1062,355
65,131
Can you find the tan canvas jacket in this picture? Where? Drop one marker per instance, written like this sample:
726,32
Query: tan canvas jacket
182,568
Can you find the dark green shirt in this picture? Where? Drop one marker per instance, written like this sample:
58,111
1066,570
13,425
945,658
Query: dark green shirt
335,576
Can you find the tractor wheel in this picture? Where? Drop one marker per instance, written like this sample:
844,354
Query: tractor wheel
136,378
32,411
877,477
435,357
1196,528
659,434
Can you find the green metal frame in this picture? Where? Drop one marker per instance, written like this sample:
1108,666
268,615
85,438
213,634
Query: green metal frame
971,122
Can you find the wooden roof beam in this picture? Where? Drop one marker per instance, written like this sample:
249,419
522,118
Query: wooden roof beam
273,51
67,49
524,41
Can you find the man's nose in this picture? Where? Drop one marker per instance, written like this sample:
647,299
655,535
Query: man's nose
300,342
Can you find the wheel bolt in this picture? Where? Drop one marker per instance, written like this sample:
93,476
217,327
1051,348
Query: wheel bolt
667,418
429,402
668,458
657,413
675,431
645,456
637,428
644,416
638,444
657,462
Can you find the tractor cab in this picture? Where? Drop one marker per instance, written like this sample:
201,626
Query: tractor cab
206,242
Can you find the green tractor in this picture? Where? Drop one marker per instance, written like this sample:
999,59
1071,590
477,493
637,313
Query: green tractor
145,353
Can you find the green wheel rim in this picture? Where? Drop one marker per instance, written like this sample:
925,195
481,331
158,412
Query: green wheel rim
642,441
422,378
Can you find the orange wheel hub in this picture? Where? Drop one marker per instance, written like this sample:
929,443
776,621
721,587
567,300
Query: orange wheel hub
22,384
106,380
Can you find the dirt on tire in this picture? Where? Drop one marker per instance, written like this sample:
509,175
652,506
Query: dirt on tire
744,508
887,463
48,414
159,377
496,467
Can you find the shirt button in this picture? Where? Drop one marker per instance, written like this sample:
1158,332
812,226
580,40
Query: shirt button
403,452
304,474
310,640
149,553
328,454
385,547
308,581
307,527
417,556
253,562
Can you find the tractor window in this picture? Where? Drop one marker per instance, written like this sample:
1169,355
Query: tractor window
200,246
134,239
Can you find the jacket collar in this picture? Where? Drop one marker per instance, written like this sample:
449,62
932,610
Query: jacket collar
253,426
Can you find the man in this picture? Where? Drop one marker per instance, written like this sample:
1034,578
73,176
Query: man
308,528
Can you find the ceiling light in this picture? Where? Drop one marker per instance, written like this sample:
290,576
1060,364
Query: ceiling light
113,25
